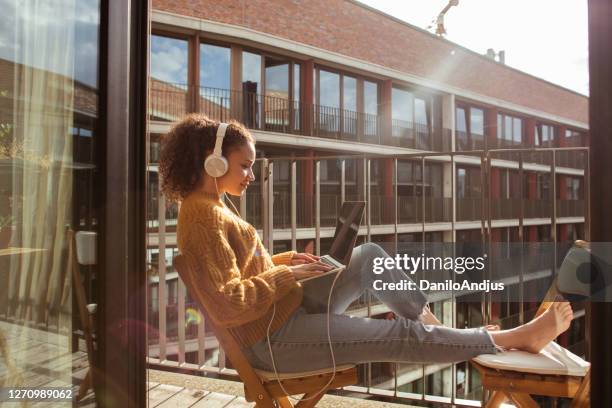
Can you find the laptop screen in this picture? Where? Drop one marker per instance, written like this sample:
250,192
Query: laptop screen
347,229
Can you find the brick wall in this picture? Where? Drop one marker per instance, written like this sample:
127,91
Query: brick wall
348,28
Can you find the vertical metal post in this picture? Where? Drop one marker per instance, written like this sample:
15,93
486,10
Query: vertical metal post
369,199
264,199
270,211
161,271
201,340
422,198
267,203
522,241
485,174
395,201
553,229
587,200
454,249
181,321
342,181
293,205
317,207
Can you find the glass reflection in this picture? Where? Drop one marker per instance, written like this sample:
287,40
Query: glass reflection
251,88
168,82
277,103
48,220
215,95
329,101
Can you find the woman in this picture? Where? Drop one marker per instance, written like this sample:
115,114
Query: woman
241,284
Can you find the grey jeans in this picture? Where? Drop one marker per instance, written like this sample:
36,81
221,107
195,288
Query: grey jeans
301,344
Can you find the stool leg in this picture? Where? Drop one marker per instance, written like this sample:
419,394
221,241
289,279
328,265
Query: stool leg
310,399
497,398
522,400
284,402
581,399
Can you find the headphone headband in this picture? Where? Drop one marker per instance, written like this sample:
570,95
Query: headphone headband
220,135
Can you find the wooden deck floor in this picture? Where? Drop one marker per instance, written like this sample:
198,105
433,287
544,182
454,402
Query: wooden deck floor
30,357
168,389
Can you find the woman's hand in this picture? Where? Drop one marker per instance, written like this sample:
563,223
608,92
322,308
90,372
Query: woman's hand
304,258
308,270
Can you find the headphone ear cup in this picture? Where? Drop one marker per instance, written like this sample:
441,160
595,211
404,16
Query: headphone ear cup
216,166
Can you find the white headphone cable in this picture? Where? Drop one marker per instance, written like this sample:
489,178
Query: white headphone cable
228,199
331,348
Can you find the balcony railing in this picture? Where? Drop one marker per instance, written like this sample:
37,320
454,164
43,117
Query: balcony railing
506,208
467,141
570,208
180,337
537,208
469,209
169,102
419,136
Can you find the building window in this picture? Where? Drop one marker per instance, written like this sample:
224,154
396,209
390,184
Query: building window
277,98
215,81
411,118
214,67
251,89
329,101
509,130
297,119
574,138
545,135
168,81
349,104
543,186
469,128
572,188
370,108
169,60
468,182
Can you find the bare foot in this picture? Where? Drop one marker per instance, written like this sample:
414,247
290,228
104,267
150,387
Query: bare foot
492,327
536,334
546,327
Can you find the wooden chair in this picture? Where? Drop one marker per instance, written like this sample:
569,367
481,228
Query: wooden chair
516,375
86,311
260,386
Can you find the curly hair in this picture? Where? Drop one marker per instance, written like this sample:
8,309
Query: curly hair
184,148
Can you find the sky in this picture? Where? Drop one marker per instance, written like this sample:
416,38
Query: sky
545,38
32,33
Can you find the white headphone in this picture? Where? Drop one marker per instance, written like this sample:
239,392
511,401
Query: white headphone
215,164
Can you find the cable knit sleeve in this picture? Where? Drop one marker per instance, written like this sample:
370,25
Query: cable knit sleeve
235,300
283,258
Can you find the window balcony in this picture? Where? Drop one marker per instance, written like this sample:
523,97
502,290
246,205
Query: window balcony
169,102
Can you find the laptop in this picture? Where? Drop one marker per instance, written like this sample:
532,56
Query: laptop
345,236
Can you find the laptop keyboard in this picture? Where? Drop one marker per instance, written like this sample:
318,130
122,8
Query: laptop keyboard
331,262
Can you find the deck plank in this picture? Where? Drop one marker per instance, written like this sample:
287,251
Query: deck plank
151,384
184,398
214,400
240,402
161,393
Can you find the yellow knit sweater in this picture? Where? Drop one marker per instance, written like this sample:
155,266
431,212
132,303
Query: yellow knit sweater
240,281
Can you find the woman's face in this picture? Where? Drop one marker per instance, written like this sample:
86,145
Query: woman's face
240,172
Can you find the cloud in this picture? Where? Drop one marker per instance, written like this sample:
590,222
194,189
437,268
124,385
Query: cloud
74,24
169,59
